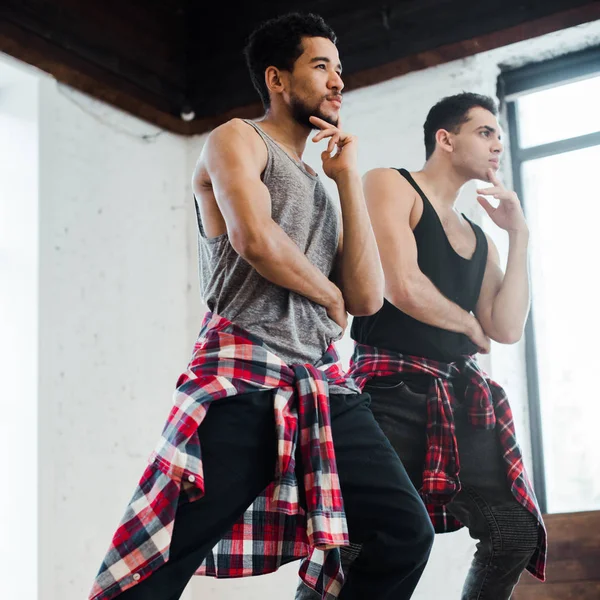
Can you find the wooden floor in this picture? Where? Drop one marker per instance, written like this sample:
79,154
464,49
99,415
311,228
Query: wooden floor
573,569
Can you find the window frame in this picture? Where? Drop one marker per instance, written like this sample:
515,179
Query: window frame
513,84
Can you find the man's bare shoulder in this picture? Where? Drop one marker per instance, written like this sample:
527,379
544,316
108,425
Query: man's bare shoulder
231,146
387,184
233,136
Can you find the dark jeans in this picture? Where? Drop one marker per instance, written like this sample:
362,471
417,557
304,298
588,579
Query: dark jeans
506,531
384,513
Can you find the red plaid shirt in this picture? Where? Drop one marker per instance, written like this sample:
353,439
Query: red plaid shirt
487,407
227,361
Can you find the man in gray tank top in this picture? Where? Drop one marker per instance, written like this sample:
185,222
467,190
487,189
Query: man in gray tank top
278,262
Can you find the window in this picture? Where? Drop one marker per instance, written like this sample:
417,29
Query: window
554,127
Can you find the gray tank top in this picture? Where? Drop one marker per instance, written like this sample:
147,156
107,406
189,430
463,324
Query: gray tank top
296,329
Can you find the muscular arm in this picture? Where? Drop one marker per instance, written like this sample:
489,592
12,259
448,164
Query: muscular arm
358,268
234,157
503,304
390,201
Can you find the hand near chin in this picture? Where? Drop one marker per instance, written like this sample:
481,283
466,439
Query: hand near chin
344,159
508,215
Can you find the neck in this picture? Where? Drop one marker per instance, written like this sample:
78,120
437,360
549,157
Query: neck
282,127
443,180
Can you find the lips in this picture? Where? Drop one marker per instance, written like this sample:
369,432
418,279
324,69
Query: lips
335,100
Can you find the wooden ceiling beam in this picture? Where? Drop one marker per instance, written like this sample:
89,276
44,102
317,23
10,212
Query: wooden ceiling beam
431,58
85,76
482,43
161,103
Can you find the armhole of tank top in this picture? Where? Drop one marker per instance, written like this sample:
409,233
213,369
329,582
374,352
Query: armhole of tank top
199,224
263,136
201,232
404,173
483,244
482,241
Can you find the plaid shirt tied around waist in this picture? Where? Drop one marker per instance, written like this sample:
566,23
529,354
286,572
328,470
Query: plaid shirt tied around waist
487,407
228,361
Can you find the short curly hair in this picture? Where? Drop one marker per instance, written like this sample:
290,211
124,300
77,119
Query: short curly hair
278,43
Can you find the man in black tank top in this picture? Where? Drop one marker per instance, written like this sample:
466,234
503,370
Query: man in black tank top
445,298
245,419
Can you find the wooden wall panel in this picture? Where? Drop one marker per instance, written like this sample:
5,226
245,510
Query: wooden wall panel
573,570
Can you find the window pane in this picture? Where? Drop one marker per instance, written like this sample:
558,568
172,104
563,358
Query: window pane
559,113
563,209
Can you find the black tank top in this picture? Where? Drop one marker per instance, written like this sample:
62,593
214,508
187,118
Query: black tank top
459,279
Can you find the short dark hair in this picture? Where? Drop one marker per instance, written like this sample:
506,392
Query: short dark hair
452,112
278,43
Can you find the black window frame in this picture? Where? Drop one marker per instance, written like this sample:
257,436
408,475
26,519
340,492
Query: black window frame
513,83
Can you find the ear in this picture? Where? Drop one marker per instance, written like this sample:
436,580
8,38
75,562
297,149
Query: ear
444,140
274,80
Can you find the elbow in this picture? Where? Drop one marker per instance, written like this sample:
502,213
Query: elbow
370,301
402,296
365,307
251,244
502,329
508,336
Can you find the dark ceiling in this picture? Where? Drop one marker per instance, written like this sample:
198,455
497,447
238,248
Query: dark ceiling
158,59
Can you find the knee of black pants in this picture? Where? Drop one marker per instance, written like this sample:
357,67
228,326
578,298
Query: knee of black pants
518,530
426,537
416,543
415,540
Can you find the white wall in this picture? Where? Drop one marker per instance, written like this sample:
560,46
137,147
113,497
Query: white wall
119,305
117,282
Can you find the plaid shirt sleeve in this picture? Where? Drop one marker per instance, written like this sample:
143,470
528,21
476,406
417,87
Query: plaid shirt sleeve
488,408
227,361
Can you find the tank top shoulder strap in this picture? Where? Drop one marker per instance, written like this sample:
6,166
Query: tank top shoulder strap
413,183
267,139
426,204
272,147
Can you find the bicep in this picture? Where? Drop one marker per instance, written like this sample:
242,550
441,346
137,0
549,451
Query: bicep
492,282
234,164
390,207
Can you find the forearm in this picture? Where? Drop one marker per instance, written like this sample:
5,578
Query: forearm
279,260
511,304
419,298
358,270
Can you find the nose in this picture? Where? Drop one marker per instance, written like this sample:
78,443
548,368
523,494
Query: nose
498,147
335,81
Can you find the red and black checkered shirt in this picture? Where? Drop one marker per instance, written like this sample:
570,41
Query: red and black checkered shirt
227,361
487,407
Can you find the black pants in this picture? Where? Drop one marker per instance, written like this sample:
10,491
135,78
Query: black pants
507,533
384,512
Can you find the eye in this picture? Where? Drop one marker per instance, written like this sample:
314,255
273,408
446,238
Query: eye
485,133
321,66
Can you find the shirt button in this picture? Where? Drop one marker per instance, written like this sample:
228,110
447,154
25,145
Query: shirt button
191,478
136,576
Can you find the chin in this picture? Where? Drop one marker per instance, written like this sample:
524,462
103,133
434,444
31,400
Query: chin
482,175
332,119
